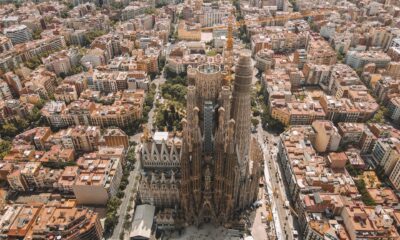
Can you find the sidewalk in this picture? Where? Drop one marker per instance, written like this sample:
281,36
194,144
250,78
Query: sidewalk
268,180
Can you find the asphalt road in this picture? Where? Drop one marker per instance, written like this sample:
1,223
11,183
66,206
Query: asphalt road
133,184
284,216
157,82
134,176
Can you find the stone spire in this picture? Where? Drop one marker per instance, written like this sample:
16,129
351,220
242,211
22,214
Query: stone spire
241,106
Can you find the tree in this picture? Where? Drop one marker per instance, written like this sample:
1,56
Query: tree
176,91
70,5
161,4
294,5
116,5
211,53
110,222
380,115
36,34
150,11
33,63
111,214
354,172
120,194
9,130
365,196
64,14
153,76
92,35
161,63
255,122
340,56
269,123
21,124
169,74
178,80
5,147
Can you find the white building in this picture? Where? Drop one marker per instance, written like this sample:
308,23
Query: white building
18,34
5,93
394,109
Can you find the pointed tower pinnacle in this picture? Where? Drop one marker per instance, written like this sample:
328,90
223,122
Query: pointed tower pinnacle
228,52
241,105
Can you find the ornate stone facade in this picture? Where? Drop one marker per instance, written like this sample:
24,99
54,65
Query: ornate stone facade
211,174
162,151
219,163
160,189
160,176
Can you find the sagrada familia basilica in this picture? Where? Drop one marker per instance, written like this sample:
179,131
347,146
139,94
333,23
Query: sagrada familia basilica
210,171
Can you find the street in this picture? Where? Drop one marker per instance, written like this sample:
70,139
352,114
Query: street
134,176
158,81
282,214
130,190
273,195
261,229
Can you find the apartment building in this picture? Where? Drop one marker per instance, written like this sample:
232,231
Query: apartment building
357,60
213,14
51,220
296,113
345,110
17,181
386,88
188,32
18,34
107,82
14,83
65,93
62,62
394,109
84,138
304,170
5,44
386,153
327,137
93,58
364,222
320,52
13,109
32,176
5,92
67,179
357,135
42,82
264,60
318,223
131,11
52,112
77,80
114,137
58,153
36,48
99,178
278,41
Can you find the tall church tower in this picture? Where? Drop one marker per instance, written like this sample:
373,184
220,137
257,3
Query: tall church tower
241,107
219,163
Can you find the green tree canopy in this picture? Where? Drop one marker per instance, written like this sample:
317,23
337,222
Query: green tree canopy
5,147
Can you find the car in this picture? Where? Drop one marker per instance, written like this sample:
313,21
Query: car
295,234
257,204
287,204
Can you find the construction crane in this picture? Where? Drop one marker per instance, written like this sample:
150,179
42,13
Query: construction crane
320,12
228,52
